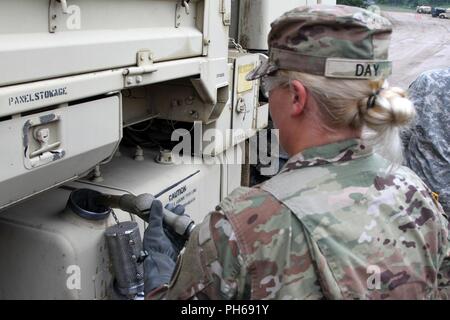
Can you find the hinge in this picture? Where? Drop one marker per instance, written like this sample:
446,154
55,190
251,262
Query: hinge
134,75
225,10
63,17
181,7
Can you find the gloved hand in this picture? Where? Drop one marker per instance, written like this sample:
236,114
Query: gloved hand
178,242
160,262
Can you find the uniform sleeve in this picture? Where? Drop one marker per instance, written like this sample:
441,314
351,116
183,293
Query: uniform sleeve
443,275
444,278
210,267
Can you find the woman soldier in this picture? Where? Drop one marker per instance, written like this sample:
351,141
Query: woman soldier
339,221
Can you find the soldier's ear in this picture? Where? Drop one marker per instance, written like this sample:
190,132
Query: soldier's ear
299,98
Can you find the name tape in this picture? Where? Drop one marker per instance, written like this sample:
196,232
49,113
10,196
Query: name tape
357,69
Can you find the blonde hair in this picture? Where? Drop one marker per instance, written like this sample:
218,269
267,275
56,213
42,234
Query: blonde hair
344,103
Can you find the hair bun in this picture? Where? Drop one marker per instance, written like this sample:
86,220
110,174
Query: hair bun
391,108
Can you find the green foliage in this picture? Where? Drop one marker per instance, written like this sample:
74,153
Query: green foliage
354,3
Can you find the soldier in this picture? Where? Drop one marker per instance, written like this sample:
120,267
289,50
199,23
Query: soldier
339,221
427,143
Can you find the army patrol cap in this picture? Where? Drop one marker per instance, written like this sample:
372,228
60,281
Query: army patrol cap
333,41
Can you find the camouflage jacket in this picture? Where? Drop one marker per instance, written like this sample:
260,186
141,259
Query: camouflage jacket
427,142
329,226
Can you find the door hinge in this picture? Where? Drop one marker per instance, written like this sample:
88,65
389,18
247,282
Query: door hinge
134,75
225,10
63,17
181,9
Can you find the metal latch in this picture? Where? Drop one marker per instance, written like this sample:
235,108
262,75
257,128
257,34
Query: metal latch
41,141
185,4
134,75
64,6
241,107
42,135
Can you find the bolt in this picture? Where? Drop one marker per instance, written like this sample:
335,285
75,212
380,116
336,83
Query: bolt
131,242
139,79
133,257
54,28
193,114
54,16
176,103
129,81
189,100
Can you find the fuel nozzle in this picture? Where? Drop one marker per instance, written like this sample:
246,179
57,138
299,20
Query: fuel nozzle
123,239
141,205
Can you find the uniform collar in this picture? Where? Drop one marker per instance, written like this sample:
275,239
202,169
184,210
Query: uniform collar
342,151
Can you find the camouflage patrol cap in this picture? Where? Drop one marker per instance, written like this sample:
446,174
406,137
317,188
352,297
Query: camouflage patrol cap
333,41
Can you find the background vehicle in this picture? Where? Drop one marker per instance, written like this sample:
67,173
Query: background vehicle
368,3
423,9
435,12
90,94
445,15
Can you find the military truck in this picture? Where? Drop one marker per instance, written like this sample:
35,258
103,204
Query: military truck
92,96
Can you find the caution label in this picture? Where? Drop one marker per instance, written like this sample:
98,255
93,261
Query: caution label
243,84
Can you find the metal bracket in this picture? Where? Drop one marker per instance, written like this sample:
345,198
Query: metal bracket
62,17
178,9
177,15
225,10
134,75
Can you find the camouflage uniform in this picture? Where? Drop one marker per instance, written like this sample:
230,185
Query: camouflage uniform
338,222
330,225
427,142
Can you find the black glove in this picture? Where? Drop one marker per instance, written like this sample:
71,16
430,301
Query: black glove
178,241
160,263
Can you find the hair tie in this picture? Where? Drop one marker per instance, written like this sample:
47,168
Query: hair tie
371,101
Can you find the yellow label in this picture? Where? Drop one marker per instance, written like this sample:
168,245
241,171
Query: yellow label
243,84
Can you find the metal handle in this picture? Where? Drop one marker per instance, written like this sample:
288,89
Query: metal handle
141,206
64,6
133,71
185,4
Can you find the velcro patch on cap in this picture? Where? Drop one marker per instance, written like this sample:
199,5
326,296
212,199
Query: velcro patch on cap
357,69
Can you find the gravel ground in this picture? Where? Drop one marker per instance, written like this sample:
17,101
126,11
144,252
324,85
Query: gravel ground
419,43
